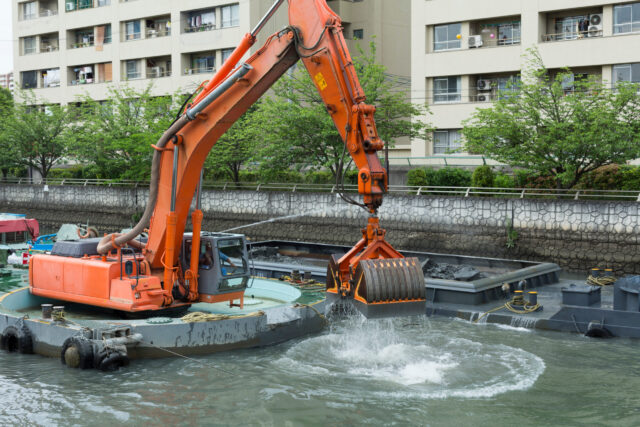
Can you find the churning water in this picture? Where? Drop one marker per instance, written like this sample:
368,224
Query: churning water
409,371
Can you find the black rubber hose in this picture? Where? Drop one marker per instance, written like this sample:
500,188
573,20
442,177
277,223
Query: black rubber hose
106,244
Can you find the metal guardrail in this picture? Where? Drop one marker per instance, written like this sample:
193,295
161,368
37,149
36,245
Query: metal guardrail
513,193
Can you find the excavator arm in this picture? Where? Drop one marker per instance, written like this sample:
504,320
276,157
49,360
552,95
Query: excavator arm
373,274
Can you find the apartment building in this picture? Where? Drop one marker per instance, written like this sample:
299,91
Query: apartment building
465,51
70,48
6,81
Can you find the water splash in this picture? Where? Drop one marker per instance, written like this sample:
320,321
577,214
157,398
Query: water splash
388,359
264,222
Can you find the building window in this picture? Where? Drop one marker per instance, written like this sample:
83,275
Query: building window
447,141
447,89
104,3
226,53
71,5
626,73
626,18
203,63
132,69
82,75
29,10
84,38
358,34
202,20
230,16
51,77
29,46
508,34
132,30
29,79
508,86
447,37
107,34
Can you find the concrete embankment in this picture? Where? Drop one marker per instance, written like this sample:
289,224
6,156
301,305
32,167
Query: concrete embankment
578,235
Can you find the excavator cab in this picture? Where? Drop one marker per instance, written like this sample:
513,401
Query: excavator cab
223,268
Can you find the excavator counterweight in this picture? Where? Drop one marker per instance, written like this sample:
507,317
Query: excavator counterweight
165,271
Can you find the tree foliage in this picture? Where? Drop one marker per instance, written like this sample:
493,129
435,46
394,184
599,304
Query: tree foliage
38,135
298,132
234,148
7,149
544,126
118,133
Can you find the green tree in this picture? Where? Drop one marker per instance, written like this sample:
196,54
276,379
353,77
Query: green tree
544,126
40,134
118,133
234,148
297,131
7,148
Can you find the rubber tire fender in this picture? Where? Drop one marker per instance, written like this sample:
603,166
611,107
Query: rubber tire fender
22,336
85,351
113,362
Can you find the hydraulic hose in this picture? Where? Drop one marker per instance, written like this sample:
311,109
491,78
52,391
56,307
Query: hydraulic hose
107,242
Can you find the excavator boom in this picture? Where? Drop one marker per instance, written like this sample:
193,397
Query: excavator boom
315,37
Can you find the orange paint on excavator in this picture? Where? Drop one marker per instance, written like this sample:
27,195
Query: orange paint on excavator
315,36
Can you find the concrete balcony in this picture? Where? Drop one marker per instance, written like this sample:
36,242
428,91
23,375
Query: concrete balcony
39,25
474,61
90,54
207,40
591,51
450,116
469,10
146,47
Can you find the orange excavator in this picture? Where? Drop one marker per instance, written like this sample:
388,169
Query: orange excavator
166,271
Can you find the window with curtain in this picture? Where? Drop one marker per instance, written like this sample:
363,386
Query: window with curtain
29,10
230,16
447,89
626,73
447,141
29,45
132,69
132,30
226,53
446,37
626,18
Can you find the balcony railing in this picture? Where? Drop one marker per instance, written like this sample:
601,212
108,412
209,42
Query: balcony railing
81,45
573,35
128,37
206,27
81,82
133,75
156,74
46,47
203,70
152,33
48,12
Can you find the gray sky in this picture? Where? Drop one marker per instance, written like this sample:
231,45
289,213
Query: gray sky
6,35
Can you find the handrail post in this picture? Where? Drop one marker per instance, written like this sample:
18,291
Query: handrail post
522,194
419,191
467,193
577,197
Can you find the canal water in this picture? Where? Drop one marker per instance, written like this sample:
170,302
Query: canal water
408,371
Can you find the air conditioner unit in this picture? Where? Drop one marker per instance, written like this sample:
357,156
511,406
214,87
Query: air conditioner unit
484,98
475,41
595,25
484,84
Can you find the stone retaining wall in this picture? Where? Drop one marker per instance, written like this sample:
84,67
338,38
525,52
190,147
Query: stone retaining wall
576,234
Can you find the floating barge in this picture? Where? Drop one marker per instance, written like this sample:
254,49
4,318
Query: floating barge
276,311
